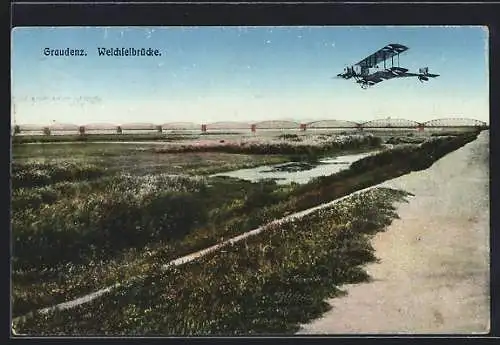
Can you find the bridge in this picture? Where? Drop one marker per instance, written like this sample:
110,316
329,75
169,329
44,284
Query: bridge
391,123
387,123
331,124
455,122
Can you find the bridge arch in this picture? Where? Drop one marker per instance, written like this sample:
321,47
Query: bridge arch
228,125
100,126
389,122
63,127
180,126
138,126
332,124
30,127
277,125
455,122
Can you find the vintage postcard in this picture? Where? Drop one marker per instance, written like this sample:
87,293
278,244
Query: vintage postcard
237,180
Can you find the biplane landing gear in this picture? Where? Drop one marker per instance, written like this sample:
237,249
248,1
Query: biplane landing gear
422,78
364,86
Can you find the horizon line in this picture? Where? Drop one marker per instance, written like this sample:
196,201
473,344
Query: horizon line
154,125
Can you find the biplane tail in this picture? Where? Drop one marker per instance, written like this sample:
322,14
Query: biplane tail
348,73
424,74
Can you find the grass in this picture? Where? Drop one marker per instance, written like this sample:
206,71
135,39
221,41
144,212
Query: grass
267,284
36,174
23,139
63,241
286,144
94,233
138,159
115,137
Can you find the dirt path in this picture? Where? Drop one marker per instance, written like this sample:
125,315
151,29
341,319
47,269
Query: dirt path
434,271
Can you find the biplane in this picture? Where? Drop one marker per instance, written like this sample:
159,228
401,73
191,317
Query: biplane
370,70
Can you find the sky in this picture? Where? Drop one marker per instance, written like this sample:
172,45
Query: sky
248,74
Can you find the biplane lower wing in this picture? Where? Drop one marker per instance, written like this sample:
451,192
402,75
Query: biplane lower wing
380,76
421,76
395,72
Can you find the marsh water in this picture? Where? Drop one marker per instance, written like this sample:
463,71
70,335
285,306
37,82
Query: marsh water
298,172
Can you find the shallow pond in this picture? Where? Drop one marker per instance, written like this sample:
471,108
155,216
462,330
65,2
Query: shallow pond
298,172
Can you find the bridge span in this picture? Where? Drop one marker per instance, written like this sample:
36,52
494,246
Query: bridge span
283,125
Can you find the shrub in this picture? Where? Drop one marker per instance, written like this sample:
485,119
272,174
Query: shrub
40,174
290,136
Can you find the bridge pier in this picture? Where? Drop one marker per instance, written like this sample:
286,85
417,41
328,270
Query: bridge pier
81,130
203,128
253,128
303,126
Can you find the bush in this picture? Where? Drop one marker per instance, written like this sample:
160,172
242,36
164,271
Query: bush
41,174
289,136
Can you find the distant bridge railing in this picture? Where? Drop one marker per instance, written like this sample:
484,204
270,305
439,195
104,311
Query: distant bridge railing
387,123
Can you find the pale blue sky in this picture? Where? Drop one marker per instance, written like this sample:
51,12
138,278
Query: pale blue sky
208,74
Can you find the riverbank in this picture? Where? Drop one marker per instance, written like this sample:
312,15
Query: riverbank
433,275
84,224
327,188
264,284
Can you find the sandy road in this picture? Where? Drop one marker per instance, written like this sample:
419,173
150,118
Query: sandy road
434,271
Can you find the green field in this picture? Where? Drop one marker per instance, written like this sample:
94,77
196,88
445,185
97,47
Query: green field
267,284
85,216
139,159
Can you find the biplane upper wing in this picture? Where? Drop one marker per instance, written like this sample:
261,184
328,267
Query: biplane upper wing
385,53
